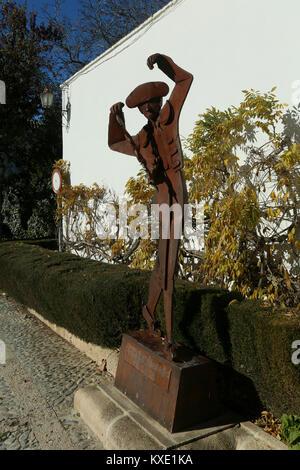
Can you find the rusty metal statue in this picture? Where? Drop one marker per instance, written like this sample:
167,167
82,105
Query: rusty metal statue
157,147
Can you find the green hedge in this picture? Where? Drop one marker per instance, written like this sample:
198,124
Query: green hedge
261,349
98,302
48,243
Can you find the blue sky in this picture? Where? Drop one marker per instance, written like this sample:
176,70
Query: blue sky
69,7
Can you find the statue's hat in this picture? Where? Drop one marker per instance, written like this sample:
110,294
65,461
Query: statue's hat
146,92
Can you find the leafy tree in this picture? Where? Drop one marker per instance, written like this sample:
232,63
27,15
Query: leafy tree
30,139
245,169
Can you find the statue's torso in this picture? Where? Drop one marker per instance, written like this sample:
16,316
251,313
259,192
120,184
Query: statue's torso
160,145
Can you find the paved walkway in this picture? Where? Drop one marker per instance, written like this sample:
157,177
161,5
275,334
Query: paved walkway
37,385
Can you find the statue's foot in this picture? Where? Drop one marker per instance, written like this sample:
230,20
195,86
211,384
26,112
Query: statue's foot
150,321
172,351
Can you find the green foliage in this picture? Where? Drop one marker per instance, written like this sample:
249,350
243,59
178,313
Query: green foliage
139,191
291,431
260,348
245,169
30,138
48,243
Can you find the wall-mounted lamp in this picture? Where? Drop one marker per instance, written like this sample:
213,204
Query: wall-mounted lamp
47,98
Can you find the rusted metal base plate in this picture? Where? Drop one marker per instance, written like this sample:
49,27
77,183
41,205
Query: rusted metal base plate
179,395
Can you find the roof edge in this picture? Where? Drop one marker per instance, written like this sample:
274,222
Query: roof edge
118,44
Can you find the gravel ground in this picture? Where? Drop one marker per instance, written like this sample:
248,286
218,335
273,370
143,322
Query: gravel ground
37,384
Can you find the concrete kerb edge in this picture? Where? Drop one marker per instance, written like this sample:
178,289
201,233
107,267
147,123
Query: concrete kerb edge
126,412
259,434
111,423
98,353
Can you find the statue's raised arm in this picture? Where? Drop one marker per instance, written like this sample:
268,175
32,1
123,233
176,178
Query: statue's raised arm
181,77
118,138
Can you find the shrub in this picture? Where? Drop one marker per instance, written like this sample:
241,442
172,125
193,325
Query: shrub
245,169
291,431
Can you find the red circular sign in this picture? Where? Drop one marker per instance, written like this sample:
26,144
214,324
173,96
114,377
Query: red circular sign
57,181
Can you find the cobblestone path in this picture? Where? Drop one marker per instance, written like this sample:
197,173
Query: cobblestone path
37,385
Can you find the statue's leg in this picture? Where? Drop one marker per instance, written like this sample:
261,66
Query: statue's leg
168,297
155,288
158,276
158,282
176,228
171,262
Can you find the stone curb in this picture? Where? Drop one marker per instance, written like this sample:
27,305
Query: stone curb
254,432
110,423
121,425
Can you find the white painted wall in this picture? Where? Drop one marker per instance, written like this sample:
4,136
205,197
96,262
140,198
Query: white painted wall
228,45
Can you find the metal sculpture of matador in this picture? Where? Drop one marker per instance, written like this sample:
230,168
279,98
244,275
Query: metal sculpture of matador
157,147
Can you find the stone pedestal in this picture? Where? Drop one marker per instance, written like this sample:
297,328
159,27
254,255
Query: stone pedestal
179,395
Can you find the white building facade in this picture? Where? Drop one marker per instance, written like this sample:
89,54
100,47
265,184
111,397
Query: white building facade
228,45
